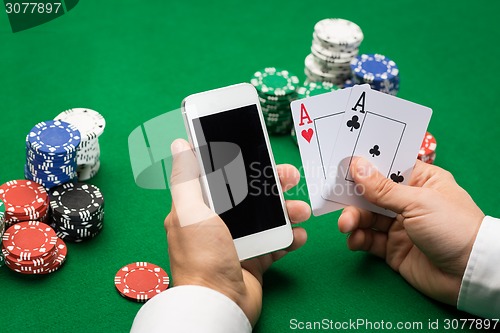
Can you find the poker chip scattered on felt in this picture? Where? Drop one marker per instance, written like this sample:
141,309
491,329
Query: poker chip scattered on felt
140,281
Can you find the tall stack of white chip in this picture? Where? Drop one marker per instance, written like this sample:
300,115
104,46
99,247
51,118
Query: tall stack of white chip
91,125
335,43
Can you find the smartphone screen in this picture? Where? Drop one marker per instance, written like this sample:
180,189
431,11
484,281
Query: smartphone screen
261,208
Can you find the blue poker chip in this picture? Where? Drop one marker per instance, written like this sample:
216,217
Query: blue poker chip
51,153
45,165
48,177
54,138
374,68
48,158
348,83
51,171
57,173
47,182
50,167
390,87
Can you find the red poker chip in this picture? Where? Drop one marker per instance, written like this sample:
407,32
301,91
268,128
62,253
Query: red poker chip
23,197
35,216
24,270
140,281
35,263
62,252
428,145
50,265
429,159
29,240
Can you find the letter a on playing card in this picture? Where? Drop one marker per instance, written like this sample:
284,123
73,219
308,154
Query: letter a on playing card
306,133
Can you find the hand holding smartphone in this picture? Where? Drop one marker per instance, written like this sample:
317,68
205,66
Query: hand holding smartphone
239,177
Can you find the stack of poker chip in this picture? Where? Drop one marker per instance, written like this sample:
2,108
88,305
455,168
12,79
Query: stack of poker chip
140,281
380,72
32,247
77,211
91,125
276,89
335,43
24,200
51,153
427,152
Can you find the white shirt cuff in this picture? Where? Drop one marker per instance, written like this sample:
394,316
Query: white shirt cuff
480,289
191,309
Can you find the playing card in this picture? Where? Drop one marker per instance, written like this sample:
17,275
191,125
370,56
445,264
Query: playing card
385,130
317,120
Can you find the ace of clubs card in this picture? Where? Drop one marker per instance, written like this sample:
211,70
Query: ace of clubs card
383,129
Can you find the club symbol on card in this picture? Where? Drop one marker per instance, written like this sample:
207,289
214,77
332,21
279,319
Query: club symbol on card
375,151
353,123
397,178
307,134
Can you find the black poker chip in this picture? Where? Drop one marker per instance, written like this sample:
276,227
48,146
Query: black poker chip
77,211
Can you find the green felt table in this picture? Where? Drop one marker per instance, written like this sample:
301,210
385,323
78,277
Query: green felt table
134,60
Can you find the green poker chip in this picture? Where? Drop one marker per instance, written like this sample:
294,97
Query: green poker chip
276,116
315,88
281,103
294,136
276,89
276,109
274,81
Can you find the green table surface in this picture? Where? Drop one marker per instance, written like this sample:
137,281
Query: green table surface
134,60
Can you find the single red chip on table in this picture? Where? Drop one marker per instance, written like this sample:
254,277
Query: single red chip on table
140,281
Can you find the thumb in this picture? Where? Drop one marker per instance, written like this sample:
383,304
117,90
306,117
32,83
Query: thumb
185,186
379,190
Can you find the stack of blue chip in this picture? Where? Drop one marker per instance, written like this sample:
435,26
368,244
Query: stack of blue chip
51,148
380,72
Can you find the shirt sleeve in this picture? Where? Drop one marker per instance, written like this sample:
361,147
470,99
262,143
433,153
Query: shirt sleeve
191,309
480,289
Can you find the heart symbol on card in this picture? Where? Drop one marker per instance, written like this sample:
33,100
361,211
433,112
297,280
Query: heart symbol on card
307,134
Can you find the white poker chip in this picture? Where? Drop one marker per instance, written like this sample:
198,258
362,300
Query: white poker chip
87,171
90,123
340,32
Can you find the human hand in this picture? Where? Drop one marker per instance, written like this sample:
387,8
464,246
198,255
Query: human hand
200,246
430,240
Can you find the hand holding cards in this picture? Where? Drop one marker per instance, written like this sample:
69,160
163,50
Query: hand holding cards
333,128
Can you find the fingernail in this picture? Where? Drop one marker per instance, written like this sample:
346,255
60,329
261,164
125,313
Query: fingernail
348,224
177,147
364,168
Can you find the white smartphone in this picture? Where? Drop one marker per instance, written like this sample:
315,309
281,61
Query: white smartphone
239,177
